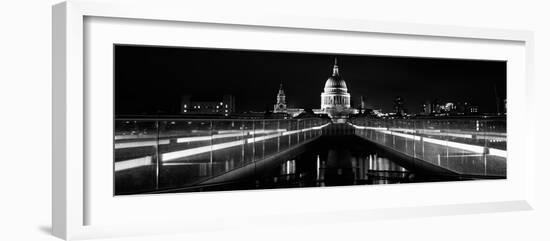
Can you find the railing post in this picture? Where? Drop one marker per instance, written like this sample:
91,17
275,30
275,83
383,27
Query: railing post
308,133
306,126
393,139
406,145
243,138
263,141
299,131
307,130
484,148
157,156
414,138
290,135
278,136
447,150
211,151
253,141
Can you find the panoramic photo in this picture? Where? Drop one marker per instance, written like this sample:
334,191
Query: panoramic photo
204,119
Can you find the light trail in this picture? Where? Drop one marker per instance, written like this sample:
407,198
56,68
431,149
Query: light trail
171,156
432,133
458,145
261,138
467,147
437,132
122,145
369,127
220,136
207,138
176,155
133,163
497,152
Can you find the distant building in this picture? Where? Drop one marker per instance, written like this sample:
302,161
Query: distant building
223,106
427,108
448,108
281,107
473,109
362,105
335,99
399,106
377,111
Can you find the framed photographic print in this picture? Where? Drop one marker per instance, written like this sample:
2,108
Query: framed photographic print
178,121
204,119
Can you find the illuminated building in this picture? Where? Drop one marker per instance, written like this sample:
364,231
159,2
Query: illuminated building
281,107
223,106
473,109
427,108
399,106
448,108
362,108
335,99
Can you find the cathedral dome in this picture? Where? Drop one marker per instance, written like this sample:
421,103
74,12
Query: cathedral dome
335,99
335,82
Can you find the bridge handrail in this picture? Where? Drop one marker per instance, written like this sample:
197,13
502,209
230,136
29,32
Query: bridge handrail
482,145
200,148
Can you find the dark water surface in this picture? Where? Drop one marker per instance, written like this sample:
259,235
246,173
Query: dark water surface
333,161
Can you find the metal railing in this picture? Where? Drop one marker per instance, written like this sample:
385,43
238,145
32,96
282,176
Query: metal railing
464,146
162,154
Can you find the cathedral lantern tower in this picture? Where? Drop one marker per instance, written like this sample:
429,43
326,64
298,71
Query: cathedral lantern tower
335,99
281,101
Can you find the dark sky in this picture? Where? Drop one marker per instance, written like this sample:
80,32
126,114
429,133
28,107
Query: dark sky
153,79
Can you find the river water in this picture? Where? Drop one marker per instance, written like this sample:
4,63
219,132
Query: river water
335,161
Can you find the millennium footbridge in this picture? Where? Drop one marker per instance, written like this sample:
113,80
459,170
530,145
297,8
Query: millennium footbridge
173,155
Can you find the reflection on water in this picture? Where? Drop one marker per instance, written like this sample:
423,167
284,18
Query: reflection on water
368,169
335,161
335,164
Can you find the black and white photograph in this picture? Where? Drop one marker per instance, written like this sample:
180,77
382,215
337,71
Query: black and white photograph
193,119
249,120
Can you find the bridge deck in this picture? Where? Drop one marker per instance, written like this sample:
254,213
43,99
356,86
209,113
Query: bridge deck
461,155
207,153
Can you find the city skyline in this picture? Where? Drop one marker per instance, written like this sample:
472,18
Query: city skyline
153,79
180,126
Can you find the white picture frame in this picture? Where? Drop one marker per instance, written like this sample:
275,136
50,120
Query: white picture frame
73,193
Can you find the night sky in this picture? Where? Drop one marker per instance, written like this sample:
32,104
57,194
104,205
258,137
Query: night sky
151,80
